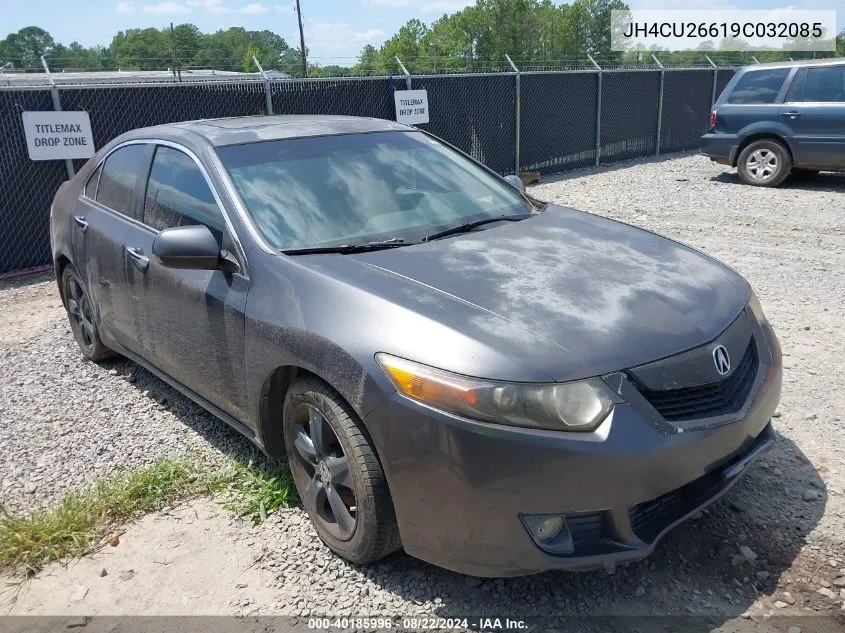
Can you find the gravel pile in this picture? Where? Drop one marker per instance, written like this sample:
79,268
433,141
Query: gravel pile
775,544
64,420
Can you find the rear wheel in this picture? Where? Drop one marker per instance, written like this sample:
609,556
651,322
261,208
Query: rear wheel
80,313
764,163
339,479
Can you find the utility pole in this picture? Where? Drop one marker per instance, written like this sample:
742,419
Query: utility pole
301,41
175,58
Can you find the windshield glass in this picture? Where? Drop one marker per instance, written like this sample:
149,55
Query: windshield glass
358,188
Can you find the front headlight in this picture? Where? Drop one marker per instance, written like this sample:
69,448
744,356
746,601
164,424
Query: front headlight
571,406
756,308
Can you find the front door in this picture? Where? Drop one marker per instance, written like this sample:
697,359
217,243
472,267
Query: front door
188,323
815,114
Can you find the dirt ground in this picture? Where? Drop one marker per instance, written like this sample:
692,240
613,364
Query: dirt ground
789,511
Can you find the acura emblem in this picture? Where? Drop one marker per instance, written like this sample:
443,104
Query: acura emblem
721,360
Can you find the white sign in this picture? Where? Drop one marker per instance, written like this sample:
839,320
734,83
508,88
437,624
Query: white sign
411,106
56,135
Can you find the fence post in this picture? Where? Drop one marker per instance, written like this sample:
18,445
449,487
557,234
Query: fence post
659,106
756,61
598,110
268,92
405,71
518,108
715,81
57,106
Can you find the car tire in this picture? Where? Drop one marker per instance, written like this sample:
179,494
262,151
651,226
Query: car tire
320,431
82,316
764,163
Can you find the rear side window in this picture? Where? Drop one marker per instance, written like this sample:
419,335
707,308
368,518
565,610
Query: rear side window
179,195
120,176
759,86
825,84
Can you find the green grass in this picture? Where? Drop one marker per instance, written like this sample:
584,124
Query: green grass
81,519
257,490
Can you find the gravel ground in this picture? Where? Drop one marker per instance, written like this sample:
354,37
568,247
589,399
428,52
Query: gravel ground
774,545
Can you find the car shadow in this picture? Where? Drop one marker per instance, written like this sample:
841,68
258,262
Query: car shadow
833,182
697,569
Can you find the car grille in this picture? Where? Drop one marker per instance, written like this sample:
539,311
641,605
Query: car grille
704,401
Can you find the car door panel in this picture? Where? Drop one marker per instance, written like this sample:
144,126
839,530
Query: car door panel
815,116
188,323
101,217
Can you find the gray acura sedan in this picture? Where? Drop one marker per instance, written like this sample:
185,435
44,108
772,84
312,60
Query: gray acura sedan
498,385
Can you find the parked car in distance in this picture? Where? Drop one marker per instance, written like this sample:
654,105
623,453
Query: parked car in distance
772,119
497,385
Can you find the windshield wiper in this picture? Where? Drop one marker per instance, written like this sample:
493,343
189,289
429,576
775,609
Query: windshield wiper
469,226
393,242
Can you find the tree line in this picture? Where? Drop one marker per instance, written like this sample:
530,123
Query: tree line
534,33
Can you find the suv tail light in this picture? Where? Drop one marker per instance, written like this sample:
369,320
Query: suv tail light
712,122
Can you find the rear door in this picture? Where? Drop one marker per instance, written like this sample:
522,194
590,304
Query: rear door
815,114
752,103
190,323
103,214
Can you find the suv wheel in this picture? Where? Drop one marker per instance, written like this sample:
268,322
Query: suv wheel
80,313
764,163
339,479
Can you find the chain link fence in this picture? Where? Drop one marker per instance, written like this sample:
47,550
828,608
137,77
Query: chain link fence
510,121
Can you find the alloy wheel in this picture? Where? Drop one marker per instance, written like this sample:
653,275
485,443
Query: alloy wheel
762,164
79,309
320,461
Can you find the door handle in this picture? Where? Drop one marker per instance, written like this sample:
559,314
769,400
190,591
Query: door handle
81,222
141,261
791,115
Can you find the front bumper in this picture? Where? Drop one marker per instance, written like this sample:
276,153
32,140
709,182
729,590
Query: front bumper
720,148
459,487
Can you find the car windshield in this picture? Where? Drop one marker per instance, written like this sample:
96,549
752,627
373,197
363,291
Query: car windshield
360,188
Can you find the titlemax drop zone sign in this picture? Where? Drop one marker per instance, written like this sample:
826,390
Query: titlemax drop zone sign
411,106
57,135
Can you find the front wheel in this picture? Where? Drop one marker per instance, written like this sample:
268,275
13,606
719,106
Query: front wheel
764,163
339,479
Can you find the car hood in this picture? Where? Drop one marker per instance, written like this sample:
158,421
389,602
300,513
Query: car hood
573,293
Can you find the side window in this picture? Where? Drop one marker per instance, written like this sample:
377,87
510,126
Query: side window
178,194
825,84
759,86
119,177
91,183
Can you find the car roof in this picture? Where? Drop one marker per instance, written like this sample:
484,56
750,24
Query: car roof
251,129
832,61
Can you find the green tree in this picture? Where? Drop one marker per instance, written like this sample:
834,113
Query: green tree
25,48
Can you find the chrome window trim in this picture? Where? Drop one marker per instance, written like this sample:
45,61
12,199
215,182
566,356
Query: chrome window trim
156,141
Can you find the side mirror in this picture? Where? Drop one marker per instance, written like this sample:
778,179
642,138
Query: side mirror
516,182
193,247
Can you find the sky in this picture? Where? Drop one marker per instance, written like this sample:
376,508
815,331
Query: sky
335,30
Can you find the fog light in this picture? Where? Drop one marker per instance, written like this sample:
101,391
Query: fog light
544,528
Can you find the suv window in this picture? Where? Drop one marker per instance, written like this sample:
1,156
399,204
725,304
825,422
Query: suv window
120,176
759,86
825,84
178,194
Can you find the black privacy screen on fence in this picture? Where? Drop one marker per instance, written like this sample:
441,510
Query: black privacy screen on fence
558,122
686,108
629,106
26,187
476,113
